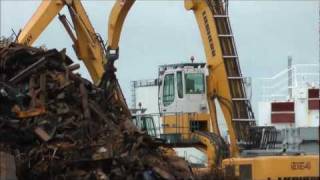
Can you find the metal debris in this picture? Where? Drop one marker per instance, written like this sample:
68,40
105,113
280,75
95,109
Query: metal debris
58,125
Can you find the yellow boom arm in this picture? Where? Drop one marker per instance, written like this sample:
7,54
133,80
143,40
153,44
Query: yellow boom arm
87,43
217,82
218,85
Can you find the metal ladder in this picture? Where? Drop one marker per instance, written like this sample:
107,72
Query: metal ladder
242,115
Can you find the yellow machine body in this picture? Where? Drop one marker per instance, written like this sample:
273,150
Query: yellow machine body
171,122
284,167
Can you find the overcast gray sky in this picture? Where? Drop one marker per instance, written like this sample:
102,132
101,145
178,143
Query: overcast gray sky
163,32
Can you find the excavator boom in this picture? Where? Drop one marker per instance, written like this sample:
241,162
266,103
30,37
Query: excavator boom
224,82
87,44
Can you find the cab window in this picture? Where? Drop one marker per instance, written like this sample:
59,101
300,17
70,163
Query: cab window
179,84
168,89
194,83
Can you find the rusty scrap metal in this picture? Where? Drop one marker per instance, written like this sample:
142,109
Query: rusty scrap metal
28,71
42,134
58,125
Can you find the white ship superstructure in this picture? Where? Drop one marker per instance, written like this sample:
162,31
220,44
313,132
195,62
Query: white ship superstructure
290,101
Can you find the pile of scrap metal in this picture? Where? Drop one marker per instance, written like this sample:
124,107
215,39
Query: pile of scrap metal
58,125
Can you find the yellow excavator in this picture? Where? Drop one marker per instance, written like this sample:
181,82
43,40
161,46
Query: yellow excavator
224,84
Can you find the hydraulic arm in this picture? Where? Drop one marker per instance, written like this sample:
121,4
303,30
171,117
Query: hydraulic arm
225,82
87,44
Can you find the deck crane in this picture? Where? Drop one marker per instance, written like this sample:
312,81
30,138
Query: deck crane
224,82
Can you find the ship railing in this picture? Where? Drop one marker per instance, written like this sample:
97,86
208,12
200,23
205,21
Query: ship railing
283,85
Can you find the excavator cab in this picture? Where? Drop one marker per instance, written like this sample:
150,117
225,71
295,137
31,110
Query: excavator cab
182,88
145,123
183,101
